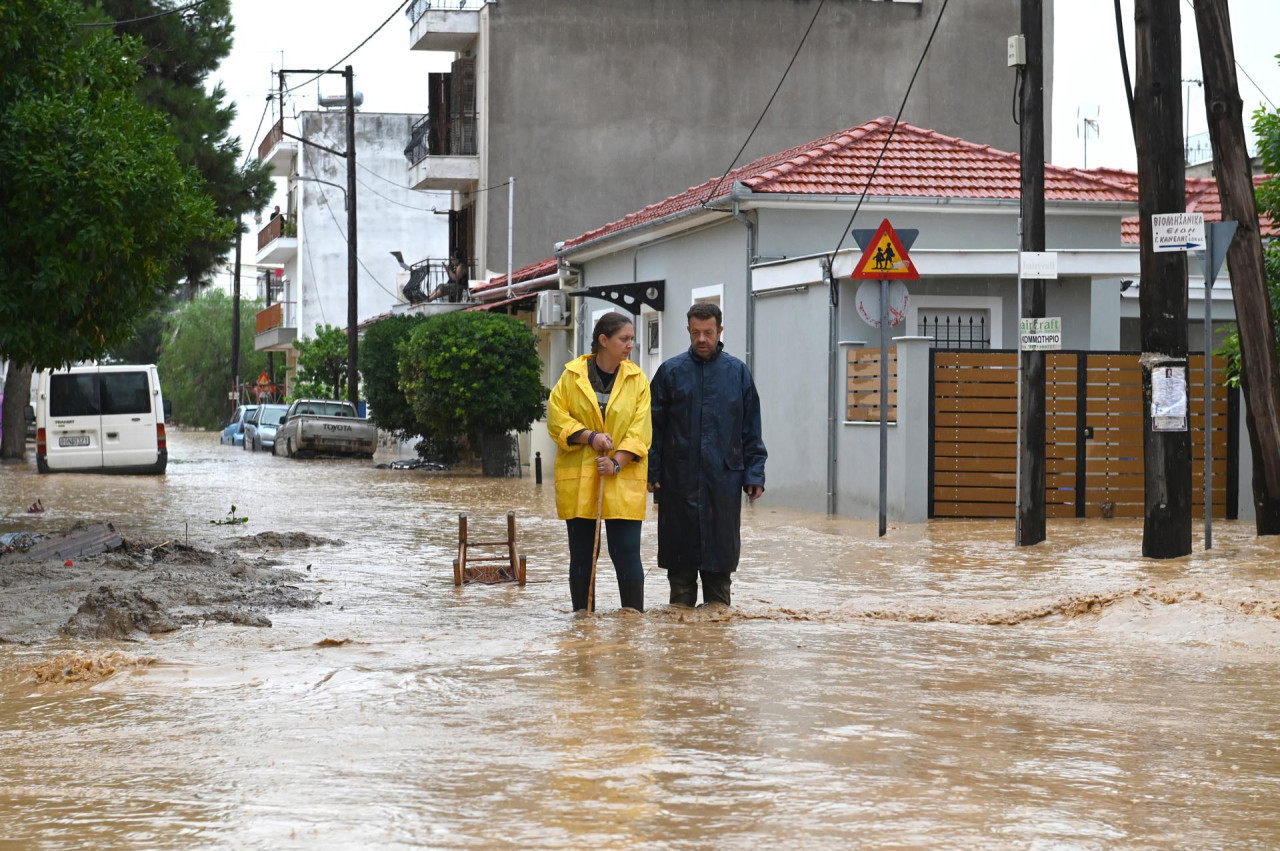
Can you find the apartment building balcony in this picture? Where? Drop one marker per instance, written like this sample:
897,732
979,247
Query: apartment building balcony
277,327
448,25
277,150
277,243
443,152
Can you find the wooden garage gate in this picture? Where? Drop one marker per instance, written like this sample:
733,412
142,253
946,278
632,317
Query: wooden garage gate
1093,435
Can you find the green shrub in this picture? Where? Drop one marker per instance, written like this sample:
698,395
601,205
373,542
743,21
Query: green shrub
473,375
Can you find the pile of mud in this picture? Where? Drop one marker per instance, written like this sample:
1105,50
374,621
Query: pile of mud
146,588
280,541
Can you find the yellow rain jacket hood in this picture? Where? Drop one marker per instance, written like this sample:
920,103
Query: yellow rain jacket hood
573,407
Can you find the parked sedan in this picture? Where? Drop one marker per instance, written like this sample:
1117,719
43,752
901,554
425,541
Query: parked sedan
233,433
260,427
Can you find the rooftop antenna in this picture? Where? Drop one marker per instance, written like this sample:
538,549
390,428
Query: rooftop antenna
1086,123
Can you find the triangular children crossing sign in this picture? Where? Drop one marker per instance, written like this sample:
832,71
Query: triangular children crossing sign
885,258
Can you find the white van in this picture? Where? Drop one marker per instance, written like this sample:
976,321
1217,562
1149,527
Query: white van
101,418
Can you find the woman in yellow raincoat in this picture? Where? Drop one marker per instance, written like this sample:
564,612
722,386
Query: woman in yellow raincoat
599,417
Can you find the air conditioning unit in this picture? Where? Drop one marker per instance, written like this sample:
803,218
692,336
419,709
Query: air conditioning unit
553,309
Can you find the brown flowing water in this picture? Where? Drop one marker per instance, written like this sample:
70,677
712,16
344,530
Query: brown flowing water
937,688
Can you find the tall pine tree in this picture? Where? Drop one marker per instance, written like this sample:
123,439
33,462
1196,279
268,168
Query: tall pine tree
180,51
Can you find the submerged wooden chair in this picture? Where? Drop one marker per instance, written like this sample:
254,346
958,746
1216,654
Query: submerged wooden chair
508,567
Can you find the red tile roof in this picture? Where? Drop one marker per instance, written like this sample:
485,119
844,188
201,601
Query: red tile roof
918,163
1202,197
525,273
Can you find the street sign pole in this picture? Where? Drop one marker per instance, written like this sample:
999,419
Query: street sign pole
884,403
1217,236
1209,275
884,259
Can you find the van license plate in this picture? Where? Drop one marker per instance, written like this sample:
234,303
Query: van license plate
74,440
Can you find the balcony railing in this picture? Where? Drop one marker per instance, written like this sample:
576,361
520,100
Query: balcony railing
278,315
443,136
275,229
429,281
274,136
418,8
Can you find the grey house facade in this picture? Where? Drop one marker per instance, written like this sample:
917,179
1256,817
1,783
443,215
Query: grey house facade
597,108
757,248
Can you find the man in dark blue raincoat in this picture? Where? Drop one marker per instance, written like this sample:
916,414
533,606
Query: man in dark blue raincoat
707,451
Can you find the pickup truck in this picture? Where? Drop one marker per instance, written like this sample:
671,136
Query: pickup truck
324,427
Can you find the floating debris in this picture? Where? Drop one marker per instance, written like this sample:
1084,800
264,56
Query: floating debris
79,542
230,520
414,465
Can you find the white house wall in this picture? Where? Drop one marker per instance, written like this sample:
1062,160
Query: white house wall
390,217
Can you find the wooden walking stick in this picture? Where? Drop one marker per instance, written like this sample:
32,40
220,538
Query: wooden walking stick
595,555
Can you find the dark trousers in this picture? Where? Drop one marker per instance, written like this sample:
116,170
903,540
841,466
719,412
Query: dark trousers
624,551
684,587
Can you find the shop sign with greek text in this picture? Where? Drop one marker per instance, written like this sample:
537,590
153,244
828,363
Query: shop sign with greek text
1040,335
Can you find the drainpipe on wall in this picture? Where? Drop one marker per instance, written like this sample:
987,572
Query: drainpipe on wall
833,301
751,295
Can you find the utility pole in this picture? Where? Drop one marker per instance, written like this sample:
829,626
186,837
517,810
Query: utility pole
353,291
1157,104
1031,413
1259,374
235,318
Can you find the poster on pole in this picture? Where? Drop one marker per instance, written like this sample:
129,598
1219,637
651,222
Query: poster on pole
1169,398
1040,335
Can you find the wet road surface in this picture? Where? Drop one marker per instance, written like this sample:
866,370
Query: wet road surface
937,688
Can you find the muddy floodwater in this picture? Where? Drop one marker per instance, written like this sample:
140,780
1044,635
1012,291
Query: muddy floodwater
937,688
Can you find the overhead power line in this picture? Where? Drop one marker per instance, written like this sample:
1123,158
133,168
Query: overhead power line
765,111
896,119
1243,71
145,17
350,53
248,151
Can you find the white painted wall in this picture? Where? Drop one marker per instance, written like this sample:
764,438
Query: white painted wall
390,217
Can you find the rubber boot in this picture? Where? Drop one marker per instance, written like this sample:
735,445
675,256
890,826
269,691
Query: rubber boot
715,587
632,594
684,587
578,589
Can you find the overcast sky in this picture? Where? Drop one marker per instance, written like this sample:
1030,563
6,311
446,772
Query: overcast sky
1087,79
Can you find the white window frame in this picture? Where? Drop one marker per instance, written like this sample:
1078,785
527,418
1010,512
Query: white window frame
648,360
715,291
994,305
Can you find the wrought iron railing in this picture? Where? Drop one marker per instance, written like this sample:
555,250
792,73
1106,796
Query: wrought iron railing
956,332
429,280
420,7
443,135
273,137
